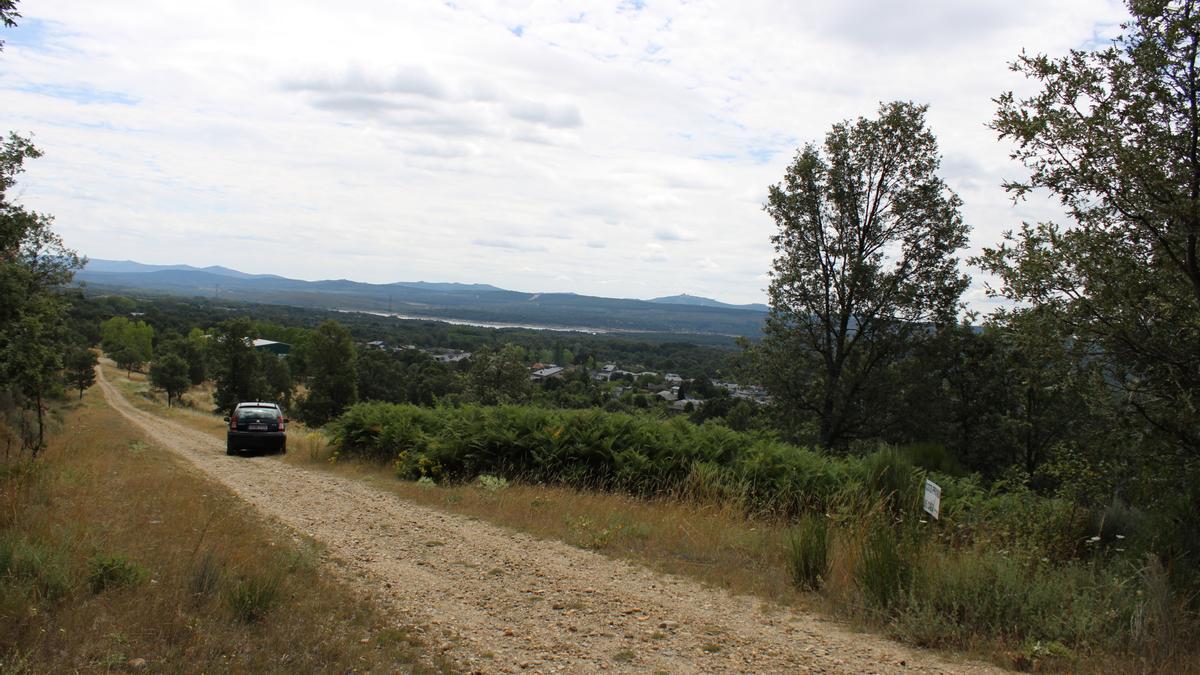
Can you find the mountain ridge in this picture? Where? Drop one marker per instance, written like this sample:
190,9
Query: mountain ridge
432,300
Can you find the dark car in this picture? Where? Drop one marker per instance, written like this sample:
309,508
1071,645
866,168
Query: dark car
255,425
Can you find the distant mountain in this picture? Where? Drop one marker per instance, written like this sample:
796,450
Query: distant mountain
129,266
698,301
465,302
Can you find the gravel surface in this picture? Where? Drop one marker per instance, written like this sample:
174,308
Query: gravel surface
495,600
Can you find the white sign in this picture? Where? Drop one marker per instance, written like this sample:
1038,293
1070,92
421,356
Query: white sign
933,498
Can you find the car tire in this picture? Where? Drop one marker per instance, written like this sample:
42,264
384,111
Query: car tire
229,449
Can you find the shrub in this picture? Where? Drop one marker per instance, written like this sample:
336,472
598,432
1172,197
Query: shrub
885,568
206,574
105,572
35,570
252,598
807,552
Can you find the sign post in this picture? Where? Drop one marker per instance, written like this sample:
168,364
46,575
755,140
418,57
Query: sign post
933,499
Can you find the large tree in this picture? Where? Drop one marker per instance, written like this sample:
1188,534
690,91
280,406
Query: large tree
865,259
34,264
332,373
1115,135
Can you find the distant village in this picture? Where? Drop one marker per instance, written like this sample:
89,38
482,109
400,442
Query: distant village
670,387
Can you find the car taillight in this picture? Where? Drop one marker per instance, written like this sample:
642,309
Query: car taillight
233,422
279,421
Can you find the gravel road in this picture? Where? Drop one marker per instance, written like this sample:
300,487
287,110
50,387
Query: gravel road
495,600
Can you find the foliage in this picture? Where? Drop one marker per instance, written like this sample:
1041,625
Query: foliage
641,455
235,365
34,263
80,368
252,597
112,571
130,343
864,256
333,374
500,376
1112,133
170,373
807,550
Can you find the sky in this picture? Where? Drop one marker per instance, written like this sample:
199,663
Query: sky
621,149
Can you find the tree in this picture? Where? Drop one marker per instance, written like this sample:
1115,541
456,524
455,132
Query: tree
132,341
80,366
1115,135
865,260
34,264
195,352
8,16
279,378
499,376
332,374
170,373
235,364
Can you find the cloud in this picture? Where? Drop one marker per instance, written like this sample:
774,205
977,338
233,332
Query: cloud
560,116
508,244
405,80
443,139
672,233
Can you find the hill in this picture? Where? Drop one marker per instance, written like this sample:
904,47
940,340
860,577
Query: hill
463,302
697,301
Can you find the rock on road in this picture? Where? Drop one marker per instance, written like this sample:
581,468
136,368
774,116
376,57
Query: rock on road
495,600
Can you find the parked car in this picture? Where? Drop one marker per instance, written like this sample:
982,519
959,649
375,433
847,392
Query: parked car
256,425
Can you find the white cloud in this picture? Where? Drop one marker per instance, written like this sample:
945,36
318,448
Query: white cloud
441,144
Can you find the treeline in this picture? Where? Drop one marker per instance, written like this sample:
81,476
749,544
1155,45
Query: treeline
695,356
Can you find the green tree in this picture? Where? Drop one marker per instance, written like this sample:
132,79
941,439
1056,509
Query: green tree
196,354
1115,134
236,367
80,368
34,264
133,340
865,258
499,376
332,373
170,373
278,377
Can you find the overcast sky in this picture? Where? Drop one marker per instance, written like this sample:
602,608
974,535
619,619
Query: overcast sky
619,149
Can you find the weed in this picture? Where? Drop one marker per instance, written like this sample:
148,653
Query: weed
113,571
252,598
711,648
884,572
624,656
808,552
492,483
206,574
426,482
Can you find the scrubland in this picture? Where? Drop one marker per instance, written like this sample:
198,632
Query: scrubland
113,556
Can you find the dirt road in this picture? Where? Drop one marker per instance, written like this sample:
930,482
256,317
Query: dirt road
499,601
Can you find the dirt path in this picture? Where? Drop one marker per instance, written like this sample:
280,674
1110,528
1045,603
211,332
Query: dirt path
499,601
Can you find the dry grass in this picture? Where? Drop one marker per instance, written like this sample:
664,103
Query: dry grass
114,556
712,542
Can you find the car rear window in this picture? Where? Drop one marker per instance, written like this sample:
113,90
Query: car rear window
263,414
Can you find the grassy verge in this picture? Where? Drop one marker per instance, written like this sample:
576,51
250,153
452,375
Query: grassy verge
112,556
964,584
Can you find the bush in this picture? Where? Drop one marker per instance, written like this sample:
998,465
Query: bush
38,571
252,598
114,571
884,572
206,574
808,552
